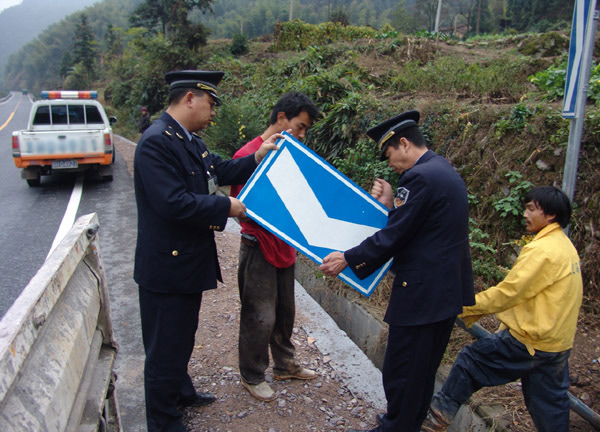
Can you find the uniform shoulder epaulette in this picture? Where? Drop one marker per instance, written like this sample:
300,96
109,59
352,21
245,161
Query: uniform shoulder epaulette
166,131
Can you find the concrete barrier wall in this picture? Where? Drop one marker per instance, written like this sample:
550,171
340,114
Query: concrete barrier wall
57,346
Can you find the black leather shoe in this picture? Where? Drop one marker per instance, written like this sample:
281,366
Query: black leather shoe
201,399
379,417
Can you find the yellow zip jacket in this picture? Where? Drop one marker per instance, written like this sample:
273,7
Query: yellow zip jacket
539,299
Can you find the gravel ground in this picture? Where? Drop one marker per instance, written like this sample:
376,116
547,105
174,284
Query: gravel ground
339,398
334,401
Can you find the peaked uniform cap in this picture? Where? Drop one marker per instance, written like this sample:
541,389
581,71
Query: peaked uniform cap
382,133
196,79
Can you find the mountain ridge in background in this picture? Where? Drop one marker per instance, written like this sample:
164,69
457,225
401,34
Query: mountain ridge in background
22,23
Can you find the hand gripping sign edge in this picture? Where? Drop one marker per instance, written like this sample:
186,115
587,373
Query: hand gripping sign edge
306,202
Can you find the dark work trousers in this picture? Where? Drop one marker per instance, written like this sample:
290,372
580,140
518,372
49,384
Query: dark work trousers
169,323
499,359
412,357
267,316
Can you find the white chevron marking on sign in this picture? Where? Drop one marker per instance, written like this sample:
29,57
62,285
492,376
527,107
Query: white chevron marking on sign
298,197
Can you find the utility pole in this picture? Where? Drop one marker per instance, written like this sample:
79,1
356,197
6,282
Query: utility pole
437,17
291,10
478,17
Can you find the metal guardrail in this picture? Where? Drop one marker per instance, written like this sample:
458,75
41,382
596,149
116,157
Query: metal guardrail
57,347
577,405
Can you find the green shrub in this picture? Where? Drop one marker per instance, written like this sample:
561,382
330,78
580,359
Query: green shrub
517,120
361,163
551,81
237,122
297,35
483,256
344,122
432,35
512,204
494,79
239,44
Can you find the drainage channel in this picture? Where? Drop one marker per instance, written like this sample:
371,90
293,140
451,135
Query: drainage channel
370,335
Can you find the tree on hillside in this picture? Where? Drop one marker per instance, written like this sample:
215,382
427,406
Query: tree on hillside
426,13
168,15
474,13
65,65
113,41
339,15
527,14
84,51
401,19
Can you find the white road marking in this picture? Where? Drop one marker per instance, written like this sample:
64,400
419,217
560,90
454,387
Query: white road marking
69,217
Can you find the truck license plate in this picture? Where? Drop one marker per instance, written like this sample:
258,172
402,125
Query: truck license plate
64,164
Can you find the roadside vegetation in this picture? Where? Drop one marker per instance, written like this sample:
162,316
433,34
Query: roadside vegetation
490,103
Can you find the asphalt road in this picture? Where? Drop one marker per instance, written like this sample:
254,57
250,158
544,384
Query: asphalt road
30,218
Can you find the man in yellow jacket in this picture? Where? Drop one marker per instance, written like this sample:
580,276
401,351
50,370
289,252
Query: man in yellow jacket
537,303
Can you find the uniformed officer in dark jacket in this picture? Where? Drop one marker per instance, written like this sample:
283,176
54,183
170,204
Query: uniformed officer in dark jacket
427,234
175,181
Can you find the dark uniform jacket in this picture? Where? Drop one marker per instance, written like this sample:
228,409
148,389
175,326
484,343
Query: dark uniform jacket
427,233
176,251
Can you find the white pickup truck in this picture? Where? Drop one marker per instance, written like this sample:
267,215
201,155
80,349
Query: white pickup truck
67,131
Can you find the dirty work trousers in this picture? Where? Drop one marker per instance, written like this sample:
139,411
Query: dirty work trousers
169,323
499,359
411,360
267,315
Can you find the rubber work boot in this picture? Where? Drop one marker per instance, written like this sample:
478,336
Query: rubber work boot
300,373
262,391
434,422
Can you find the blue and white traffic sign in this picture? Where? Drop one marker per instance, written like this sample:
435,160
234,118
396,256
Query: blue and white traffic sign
581,19
306,202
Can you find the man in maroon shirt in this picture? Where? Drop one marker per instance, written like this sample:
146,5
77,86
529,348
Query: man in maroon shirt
266,274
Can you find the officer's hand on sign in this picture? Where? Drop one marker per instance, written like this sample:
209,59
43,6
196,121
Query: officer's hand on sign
237,209
333,264
267,146
382,192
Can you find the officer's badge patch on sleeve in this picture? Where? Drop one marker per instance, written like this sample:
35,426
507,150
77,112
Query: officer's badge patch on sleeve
401,197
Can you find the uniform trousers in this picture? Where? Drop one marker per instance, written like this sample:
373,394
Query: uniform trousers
267,315
411,360
169,324
499,359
